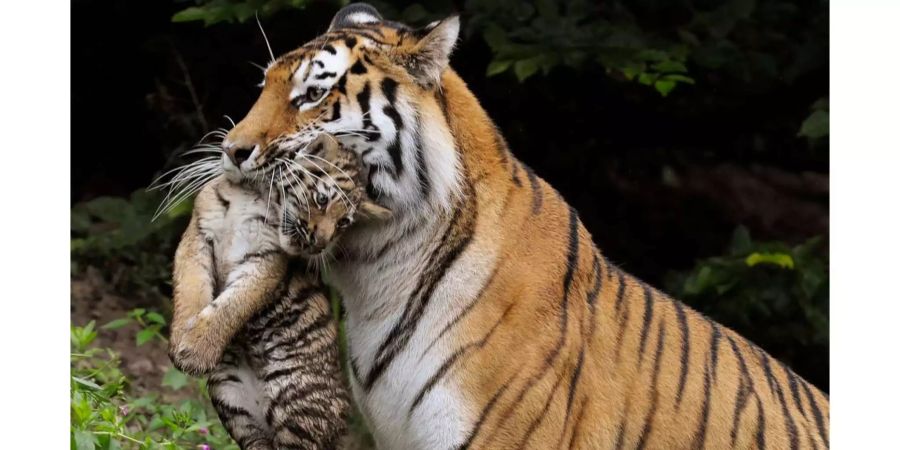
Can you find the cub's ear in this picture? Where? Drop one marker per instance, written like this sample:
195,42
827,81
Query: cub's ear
372,210
324,146
354,14
430,55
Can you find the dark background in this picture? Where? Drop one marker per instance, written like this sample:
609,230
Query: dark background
678,189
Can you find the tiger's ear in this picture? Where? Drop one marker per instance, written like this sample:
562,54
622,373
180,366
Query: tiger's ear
354,14
427,58
372,210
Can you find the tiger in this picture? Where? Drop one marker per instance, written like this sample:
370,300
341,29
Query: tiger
481,314
267,337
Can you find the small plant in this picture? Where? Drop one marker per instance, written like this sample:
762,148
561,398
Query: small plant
106,417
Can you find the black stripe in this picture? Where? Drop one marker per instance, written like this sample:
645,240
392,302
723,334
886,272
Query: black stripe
592,295
648,319
328,48
540,418
795,391
335,111
625,316
817,413
577,423
442,370
350,42
394,150
573,385
760,425
537,194
571,263
789,424
389,89
620,295
657,362
341,84
745,388
456,239
481,417
227,410
572,259
699,440
714,348
685,350
325,75
358,68
465,310
278,374
421,168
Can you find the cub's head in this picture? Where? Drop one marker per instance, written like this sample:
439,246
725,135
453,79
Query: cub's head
370,83
332,198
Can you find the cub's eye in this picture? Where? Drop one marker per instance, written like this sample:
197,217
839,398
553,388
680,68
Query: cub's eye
321,199
343,222
313,94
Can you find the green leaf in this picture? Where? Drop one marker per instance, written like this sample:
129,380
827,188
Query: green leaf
84,440
87,383
678,77
190,14
783,260
175,379
669,67
664,86
145,335
118,323
155,317
815,126
498,67
527,67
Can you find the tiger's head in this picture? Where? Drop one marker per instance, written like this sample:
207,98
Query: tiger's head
369,82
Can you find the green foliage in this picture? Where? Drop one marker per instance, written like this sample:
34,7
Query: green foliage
105,416
815,126
215,11
775,294
120,237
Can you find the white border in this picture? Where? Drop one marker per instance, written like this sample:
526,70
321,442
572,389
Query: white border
34,137
865,141
865,200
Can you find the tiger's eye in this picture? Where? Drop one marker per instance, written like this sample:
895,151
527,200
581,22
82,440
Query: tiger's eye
343,222
321,199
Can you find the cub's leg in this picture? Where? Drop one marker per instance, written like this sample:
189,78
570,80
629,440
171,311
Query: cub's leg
193,284
240,401
250,286
297,353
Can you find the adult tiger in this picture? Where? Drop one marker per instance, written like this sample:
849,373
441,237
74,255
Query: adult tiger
482,315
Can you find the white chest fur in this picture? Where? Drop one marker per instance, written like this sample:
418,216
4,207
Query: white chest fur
376,294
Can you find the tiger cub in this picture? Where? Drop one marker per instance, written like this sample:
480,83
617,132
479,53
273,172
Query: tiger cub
267,337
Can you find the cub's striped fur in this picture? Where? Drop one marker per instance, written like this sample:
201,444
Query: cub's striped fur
278,384
481,315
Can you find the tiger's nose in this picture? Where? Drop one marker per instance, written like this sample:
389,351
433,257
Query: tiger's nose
237,154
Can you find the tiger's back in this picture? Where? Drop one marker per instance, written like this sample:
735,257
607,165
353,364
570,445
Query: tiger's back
564,349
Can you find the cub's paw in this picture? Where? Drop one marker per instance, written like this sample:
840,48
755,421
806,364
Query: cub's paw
195,357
